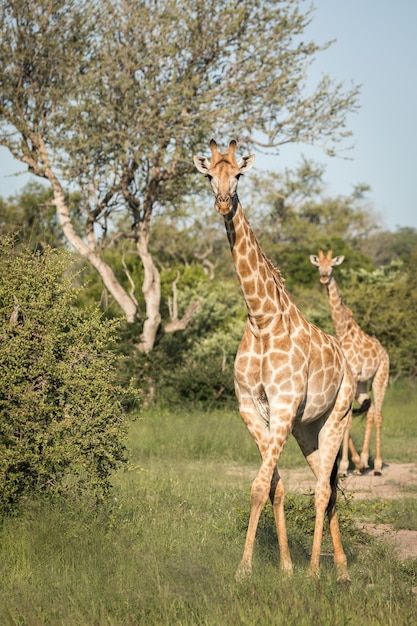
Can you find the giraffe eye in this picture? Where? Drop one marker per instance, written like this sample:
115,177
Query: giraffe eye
209,176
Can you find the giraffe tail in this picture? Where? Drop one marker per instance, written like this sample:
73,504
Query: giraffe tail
333,484
363,408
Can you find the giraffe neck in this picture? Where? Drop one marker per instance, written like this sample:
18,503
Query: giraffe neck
261,283
340,315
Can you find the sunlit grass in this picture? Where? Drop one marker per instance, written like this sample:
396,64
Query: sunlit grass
164,549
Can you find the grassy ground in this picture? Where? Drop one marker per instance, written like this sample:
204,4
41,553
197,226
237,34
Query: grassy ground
165,548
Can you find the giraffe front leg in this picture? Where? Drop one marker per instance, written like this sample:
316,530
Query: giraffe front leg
354,454
324,464
344,463
379,387
268,482
259,495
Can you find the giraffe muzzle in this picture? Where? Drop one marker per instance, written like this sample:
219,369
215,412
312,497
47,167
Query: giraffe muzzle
223,204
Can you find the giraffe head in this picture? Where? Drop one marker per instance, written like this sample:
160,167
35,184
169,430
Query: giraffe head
325,263
223,171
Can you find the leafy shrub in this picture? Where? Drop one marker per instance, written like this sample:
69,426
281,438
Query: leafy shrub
62,422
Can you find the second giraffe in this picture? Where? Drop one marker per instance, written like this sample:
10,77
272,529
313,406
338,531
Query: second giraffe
368,360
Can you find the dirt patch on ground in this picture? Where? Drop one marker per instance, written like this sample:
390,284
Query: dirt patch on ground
398,480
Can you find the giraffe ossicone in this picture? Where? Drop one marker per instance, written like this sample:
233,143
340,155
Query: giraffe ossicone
369,363
290,377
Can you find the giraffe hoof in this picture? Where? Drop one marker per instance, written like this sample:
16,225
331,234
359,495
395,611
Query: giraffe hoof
313,574
344,579
243,573
377,473
287,569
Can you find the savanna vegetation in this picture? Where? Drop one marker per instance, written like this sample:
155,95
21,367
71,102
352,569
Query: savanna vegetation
124,465
164,547
158,541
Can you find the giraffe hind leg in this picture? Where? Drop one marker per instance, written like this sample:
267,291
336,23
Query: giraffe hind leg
379,386
326,491
348,445
339,557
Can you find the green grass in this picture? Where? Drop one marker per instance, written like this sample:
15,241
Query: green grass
164,549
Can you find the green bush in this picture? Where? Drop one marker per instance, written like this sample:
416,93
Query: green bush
62,422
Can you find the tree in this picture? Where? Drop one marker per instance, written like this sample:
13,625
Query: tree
113,98
387,246
295,217
383,302
31,217
62,422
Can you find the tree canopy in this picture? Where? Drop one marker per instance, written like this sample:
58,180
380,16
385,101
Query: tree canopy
112,99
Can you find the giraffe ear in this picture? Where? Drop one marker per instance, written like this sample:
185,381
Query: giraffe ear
338,260
246,163
202,164
314,259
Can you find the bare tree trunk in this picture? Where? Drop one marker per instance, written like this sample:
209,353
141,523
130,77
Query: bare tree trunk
151,284
126,303
151,289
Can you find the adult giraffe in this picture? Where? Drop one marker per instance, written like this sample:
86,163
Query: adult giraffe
289,376
368,361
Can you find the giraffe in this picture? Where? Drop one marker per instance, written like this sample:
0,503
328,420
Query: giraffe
368,361
290,377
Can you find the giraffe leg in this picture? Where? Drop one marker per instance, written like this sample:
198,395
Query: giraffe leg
340,559
259,495
379,386
348,445
378,458
363,396
324,495
354,454
344,462
262,486
321,451
279,515
259,433
367,438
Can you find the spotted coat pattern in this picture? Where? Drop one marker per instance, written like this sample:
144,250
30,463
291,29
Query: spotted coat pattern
368,361
290,377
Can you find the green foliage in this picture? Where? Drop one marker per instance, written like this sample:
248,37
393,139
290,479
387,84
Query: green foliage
193,366
383,302
294,217
165,549
62,424
30,214
385,247
401,513
148,89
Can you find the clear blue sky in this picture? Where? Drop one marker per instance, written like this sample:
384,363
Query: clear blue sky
377,47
